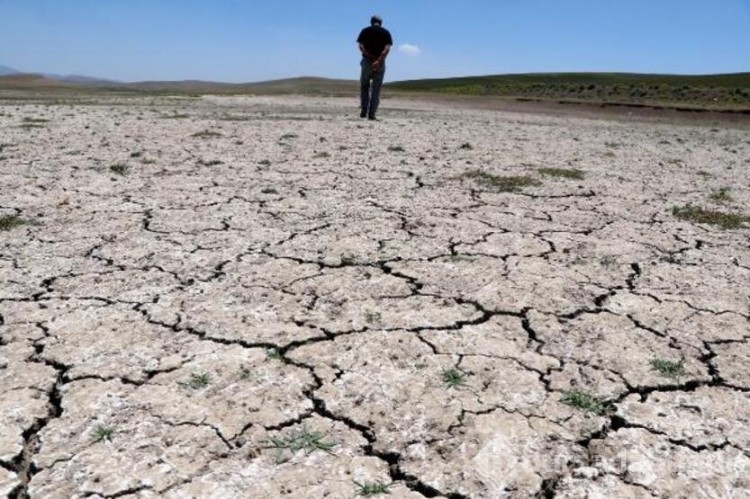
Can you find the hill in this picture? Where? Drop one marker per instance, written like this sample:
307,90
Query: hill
302,85
718,91
729,92
23,81
5,70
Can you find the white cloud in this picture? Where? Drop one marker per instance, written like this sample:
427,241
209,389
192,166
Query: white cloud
410,50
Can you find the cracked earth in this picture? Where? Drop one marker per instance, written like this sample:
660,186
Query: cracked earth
194,283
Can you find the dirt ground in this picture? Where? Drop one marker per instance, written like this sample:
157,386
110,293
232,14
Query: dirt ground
267,296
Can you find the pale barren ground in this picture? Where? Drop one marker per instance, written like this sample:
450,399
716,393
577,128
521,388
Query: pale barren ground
300,303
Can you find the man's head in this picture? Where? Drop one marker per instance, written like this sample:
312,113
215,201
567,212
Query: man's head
376,21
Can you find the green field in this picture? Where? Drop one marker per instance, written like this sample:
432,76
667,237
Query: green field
730,91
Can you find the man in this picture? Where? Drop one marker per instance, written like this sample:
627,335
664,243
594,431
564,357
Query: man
374,42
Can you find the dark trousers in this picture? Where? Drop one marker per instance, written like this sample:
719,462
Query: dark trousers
370,82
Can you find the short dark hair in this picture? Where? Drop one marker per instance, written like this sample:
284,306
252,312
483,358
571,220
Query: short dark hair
376,21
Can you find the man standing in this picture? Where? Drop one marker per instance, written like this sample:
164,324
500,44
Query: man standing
374,42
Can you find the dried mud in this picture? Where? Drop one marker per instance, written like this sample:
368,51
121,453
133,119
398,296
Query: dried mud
265,297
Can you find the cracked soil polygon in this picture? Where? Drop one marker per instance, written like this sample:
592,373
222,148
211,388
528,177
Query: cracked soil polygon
274,298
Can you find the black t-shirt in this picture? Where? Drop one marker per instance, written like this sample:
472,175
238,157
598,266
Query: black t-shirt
375,38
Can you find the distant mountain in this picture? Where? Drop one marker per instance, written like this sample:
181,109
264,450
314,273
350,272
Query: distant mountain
84,80
24,81
5,70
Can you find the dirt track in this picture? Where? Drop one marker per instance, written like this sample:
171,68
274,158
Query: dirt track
257,297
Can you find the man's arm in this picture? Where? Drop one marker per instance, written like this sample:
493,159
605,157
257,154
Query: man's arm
381,60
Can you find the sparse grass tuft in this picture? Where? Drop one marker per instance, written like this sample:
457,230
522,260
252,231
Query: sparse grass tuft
199,380
136,154
102,433
8,222
453,377
498,183
570,173
207,134
264,162
119,168
699,215
608,261
35,120
269,190
368,489
584,402
304,439
372,316
210,162
396,149
721,196
275,354
466,146
322,155
668,368
288,136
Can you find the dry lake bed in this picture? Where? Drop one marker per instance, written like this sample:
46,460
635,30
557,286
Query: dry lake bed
267,296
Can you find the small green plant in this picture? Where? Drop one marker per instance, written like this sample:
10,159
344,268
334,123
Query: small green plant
29,126
453,377
206,134
37,121
396,149
668,368
245,374
8,222
102,433
368,489
210,162
199,380
699,215
499,183
584,402
721,196
119,169
274,354
269,190
304,439
372,316
136,154
570,173
458,258
608,261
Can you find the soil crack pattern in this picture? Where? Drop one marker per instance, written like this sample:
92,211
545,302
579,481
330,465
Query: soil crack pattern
264,296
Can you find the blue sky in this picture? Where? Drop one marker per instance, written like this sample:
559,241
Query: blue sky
253,40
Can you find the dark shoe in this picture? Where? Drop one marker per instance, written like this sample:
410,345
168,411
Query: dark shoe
372,117
363,114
